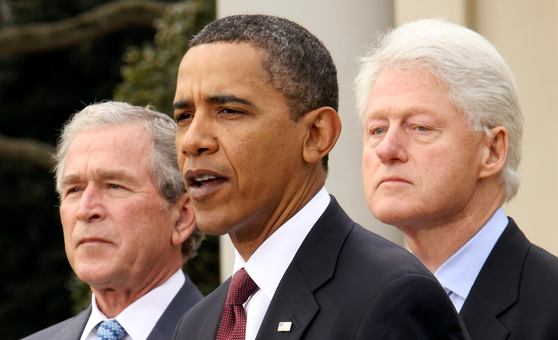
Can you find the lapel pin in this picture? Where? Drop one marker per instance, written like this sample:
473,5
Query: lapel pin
284,326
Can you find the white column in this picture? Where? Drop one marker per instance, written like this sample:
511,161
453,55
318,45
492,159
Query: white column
346,28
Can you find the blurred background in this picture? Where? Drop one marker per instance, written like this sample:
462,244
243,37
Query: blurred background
57,56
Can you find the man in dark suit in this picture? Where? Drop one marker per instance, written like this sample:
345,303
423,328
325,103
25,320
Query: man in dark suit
128,223
442,144
256,105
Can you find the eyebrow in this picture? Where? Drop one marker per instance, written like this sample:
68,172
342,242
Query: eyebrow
181,104
228,98
69,180
107,175
216,99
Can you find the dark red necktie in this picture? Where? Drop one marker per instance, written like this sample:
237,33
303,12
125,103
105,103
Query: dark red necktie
233,320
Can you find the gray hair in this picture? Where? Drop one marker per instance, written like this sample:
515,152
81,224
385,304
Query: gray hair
163,164
298,64
480,82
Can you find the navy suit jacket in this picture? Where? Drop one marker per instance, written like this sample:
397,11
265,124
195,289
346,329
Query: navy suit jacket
72,328
515,296
344,283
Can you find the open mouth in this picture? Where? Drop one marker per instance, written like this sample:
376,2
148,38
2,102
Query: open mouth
200,186
203,180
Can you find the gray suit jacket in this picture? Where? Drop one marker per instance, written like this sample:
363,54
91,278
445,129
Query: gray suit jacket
344,283
515,295
72,328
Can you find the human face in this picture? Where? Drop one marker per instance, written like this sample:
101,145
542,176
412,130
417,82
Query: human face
238,149
116,229
421,160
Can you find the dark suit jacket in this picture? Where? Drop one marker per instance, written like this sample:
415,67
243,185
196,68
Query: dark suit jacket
515,296
344,283
72,328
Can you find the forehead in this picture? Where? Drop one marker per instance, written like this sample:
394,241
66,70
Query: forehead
407,90
111,146
222,67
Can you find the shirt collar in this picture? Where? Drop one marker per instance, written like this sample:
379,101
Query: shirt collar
139,318
460,271
270,261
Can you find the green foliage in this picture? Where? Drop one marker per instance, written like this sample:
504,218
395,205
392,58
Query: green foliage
151,70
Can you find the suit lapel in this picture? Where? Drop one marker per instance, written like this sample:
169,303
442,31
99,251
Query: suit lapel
312,267
497,286
185,299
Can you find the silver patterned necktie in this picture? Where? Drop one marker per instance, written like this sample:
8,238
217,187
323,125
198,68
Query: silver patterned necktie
110,330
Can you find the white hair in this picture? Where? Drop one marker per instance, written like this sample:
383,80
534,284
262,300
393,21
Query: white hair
480,82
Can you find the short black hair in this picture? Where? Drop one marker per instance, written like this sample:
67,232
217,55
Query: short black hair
298,64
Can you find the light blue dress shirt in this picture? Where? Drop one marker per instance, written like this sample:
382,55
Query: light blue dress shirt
458,274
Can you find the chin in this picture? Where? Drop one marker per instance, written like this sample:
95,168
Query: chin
391,213
93,274
212,227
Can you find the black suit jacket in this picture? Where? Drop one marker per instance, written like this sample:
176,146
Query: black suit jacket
72,328
515,296
344,283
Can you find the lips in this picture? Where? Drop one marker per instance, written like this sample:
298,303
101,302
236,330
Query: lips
92,240
393,180
203,182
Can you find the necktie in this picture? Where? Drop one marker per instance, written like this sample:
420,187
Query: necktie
110,330
233,319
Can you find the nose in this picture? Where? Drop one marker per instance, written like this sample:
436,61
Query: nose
392,147
199,137
90,206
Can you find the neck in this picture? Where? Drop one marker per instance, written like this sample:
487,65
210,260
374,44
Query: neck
113,300
250,236
434,243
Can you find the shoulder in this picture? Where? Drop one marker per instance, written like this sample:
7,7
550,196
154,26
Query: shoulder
63,329
391,293
539,270
375,252
188,296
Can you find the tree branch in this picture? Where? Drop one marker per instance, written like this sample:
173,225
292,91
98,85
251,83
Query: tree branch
89,25
26,150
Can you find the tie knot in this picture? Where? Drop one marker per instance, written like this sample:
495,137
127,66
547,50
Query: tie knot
242,286
110,330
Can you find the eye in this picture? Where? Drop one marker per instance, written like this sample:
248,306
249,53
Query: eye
183,116
377,131
71,191
421,128
114,186
230,111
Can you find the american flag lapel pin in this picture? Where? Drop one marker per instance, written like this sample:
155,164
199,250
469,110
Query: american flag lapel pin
284,326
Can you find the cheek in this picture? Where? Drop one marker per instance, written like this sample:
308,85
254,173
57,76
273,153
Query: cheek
370,165
68,220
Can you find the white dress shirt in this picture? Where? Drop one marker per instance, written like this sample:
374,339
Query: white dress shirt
270,261
139,318
458,274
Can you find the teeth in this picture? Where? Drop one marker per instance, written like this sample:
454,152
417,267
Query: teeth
204,178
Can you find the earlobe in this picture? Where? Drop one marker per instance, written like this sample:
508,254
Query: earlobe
495,152
186,221
324,128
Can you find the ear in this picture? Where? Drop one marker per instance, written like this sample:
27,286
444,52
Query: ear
324,127
496,150
186,221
